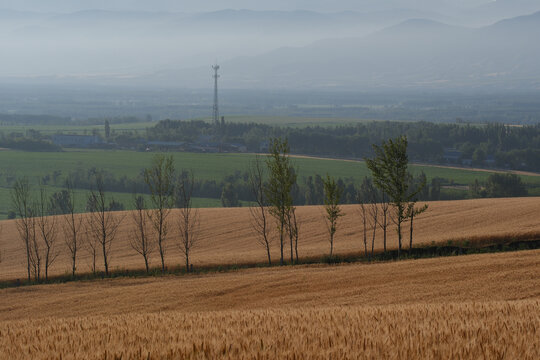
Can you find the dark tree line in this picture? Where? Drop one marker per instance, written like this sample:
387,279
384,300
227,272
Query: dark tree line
512,147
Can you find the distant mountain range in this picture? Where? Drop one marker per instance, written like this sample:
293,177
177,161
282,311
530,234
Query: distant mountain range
276,49
415,53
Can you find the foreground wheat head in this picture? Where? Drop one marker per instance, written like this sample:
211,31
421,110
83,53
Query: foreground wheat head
499,330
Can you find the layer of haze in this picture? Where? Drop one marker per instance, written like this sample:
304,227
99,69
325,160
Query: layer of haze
213,5
279,44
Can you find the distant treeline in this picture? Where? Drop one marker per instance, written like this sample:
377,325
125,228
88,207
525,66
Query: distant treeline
491,145
235,187
514,147
24,119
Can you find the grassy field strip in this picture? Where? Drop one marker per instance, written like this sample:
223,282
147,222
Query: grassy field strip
205,166
81,195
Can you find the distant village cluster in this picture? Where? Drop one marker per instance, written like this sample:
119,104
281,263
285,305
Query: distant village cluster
204,144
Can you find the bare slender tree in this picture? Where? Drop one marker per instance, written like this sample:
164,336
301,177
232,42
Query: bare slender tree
260,216
72,226
35,253
412,212
21,203
90,242
188,220
382,220
103,223
364,200
373,211
160,180
47,230
141,240
332,198
290,229
294,230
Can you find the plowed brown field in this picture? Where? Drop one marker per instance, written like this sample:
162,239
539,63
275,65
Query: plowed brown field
475,307
226,236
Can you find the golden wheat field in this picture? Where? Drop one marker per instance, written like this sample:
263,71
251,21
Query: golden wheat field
475,307
440,331
226,236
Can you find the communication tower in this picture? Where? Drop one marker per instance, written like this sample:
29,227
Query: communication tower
216,108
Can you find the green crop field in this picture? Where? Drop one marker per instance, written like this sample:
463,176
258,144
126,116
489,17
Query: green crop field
205,166
35,165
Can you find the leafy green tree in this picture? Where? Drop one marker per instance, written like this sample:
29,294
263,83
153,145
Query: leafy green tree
332,198
59,203
505,185
229,197
281,178
390,175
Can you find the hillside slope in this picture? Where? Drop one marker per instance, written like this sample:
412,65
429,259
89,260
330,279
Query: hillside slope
476,306
226,236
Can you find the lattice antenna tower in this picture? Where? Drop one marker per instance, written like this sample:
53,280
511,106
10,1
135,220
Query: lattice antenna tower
216,107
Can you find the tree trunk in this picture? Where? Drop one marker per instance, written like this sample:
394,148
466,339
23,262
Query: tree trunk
268,254
384,232
160,243
47,265
73,259
146,264
296,247
411,230
105,262
399,237
187,262
281,244
292,254
28,260
365,236
331,244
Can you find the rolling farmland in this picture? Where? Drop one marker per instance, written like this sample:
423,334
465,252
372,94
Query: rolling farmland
226,236
477,306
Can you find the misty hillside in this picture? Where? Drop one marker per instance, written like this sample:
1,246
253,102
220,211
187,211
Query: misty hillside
412,54
495,10
134,42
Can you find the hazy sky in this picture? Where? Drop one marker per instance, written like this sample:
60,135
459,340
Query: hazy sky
209,5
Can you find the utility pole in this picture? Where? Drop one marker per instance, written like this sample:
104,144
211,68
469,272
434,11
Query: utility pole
216,108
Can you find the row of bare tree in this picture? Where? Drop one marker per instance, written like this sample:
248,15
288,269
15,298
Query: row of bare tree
96,230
